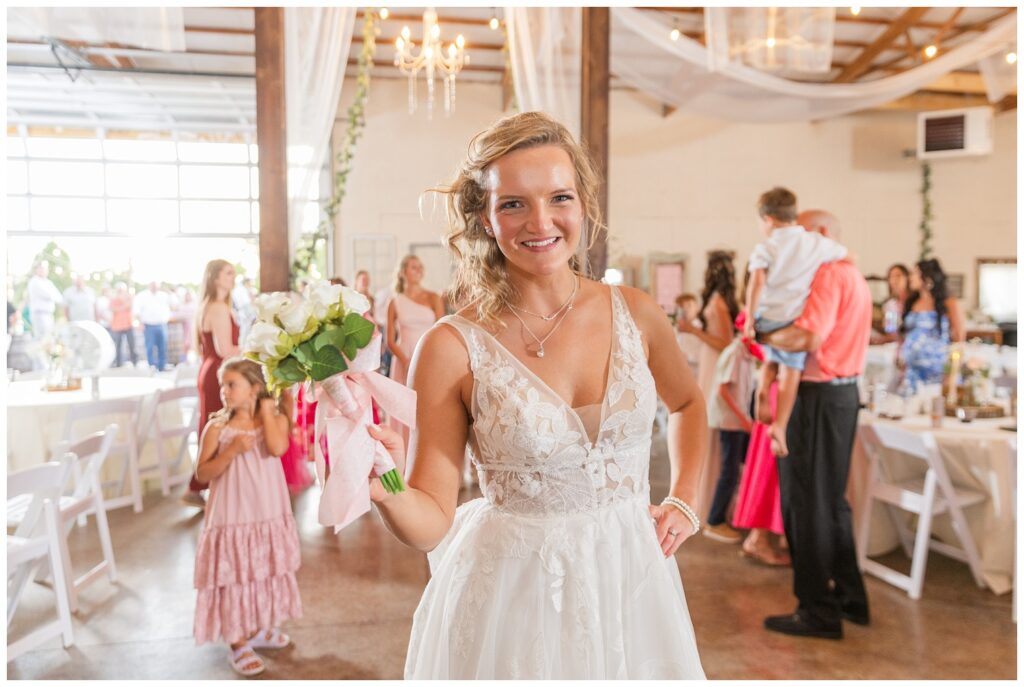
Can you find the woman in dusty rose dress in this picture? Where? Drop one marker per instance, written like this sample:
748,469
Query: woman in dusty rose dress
412,311
249,548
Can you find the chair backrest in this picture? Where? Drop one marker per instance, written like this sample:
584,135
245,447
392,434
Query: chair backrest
919,445
127,371
43,482
186,375
130,407
176,394
89,454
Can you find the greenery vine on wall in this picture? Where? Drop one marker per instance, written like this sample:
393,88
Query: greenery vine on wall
926,211
313,247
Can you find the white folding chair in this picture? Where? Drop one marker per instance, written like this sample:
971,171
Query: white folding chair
931,495
86,458
37,539
168,462
186,374
126,445
127,371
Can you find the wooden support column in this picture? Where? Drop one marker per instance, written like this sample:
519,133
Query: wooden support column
272,141
594,92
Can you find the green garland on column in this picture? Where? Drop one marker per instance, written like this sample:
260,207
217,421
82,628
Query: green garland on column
312,248
926,211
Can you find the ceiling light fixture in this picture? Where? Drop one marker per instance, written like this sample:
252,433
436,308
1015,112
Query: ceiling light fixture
1011,58
383,13
931,51
855,11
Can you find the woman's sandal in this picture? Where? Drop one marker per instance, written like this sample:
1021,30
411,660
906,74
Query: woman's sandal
779,561
246,662
270,639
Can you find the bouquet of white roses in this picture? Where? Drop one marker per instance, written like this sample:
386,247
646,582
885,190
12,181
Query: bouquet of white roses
318,339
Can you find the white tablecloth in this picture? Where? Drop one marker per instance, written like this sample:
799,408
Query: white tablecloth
35,418
880,364
976,455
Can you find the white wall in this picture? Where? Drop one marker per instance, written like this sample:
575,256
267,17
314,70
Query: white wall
688,185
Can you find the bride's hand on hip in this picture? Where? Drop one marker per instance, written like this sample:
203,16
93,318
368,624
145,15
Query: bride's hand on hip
395,446
672,528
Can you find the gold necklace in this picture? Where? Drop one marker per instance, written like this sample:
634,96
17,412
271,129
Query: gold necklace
565,311
548,318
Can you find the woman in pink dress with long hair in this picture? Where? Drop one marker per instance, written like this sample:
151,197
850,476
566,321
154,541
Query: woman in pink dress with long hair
412,311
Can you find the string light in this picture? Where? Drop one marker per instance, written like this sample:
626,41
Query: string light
931,51
493,23
1011,58
674,35
384,13
770,42
855,11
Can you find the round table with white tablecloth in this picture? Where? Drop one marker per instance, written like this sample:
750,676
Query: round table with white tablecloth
35,417
979,455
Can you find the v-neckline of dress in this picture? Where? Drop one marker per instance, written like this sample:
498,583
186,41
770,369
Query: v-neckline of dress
547,387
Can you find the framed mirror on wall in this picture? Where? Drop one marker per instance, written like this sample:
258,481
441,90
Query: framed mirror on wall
667,278
996,288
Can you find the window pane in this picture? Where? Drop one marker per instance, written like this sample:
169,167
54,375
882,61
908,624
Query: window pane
254,182
215,216
142,181
15,146
17,177
255,218
67,214
310,217
143,217
87,148
213,152
17,214
148,151
254,153
66,178
214,182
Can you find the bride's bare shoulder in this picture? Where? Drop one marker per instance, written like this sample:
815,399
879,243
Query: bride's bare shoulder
444,347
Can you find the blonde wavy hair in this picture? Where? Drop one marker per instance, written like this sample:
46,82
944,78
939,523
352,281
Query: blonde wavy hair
481,276
398,282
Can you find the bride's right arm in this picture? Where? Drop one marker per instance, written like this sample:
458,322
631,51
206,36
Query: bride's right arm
422,515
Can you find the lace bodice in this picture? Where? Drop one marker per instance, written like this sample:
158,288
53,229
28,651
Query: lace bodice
530,448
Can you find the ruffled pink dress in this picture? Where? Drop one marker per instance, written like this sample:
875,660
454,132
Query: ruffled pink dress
758,503
248,551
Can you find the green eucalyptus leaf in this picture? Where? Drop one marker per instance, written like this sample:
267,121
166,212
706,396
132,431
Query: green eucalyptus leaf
290,371
326,362
359,328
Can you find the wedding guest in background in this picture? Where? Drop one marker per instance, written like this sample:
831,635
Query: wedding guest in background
718,313
931,320
687,308
79,301
153,308
41,298
216,340
121,324
362,285
834,328
103,314
242,296
728,412
185,313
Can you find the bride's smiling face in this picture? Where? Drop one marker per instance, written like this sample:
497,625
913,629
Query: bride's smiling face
533,209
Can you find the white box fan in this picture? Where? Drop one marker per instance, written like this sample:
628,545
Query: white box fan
954,133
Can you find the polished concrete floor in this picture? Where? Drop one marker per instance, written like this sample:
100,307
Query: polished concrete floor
360,588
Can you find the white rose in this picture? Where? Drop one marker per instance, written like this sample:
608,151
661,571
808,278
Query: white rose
321,296
267,341
294,316
269,304
354,301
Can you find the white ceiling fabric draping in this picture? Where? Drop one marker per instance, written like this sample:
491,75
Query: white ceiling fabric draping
155,28
676,73
544,46
544,50
317,43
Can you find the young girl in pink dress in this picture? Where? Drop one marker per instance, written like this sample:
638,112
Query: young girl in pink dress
249,548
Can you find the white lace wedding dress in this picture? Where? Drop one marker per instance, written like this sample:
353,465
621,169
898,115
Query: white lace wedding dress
556,572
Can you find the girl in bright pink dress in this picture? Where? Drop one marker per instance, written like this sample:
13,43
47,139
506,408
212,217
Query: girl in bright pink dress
295,460
249,548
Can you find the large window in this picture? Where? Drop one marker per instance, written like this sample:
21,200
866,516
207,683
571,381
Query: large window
153,201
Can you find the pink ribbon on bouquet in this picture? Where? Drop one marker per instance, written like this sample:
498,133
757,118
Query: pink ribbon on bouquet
344,410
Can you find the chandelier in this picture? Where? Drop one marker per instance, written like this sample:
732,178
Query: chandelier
432,58
771,38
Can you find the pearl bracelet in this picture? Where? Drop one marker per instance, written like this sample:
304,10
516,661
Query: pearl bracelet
686,510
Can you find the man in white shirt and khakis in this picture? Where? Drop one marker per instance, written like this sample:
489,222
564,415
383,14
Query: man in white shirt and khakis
42,298
153,308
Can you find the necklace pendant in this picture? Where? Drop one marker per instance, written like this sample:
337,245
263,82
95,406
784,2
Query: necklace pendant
540,352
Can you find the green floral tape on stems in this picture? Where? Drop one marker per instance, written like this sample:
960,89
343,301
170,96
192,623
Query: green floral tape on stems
392,482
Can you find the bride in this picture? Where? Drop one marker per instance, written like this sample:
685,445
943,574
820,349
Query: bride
563,569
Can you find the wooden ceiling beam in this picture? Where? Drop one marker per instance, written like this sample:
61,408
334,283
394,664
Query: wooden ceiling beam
442,19
220,29
390,42
895,28
924,100
1006,104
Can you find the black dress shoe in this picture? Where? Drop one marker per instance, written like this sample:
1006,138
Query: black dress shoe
858,617
803,626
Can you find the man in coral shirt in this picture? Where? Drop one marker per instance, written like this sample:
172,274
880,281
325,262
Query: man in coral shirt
834,328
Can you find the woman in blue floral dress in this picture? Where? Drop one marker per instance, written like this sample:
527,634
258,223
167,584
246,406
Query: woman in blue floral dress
931,320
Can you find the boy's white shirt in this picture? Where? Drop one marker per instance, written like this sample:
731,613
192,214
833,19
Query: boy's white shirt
719,411
791,256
